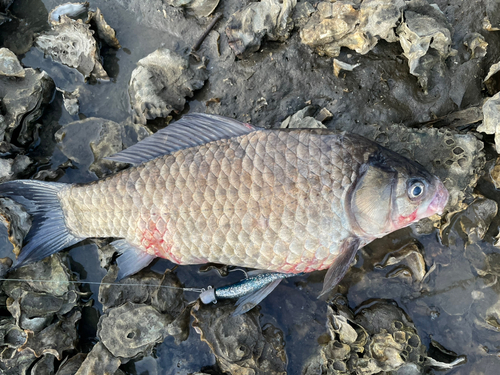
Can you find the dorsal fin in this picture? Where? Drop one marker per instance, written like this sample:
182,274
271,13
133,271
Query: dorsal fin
192,130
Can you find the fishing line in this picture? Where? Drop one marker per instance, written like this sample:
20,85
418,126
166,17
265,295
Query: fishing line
196,290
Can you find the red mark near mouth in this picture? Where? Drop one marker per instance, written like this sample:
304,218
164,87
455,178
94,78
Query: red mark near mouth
404,221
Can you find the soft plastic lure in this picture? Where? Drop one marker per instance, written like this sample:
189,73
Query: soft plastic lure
249,291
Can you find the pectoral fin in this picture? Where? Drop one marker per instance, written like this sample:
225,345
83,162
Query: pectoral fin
251,300
338,269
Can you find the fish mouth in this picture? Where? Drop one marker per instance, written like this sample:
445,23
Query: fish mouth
439,201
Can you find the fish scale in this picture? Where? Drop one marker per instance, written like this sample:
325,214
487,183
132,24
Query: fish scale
270,199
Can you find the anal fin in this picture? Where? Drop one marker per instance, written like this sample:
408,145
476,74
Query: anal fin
131,260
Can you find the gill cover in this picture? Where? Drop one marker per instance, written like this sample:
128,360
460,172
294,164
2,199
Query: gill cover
372,197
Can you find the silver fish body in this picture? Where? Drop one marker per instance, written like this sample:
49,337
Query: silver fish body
289,201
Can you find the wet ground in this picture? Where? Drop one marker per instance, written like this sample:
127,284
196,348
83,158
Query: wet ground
447,284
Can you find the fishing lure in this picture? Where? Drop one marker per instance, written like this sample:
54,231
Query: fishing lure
249,291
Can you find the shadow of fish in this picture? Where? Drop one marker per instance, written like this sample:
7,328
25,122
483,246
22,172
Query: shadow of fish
212,189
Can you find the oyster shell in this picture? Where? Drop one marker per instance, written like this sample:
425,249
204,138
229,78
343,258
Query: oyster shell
424,27
15,168
99,361
491,81
5,264
131,329
472,223
71,43
103,137
410,255
71,365
35,303
145,287
11,336
238,342
491,122
22,22
23,101
161,82
16,361
44,366
301,13
17,221
56,338
380,338
339,24
9,64
267,18
495,174
105,32
492,21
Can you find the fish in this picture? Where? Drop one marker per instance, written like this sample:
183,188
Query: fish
249,291
212,189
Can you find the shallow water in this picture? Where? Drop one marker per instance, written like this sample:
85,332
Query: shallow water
449,307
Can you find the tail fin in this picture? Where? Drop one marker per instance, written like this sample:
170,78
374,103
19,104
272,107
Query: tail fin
48,233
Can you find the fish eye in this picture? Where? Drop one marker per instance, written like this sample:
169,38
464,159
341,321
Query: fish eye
416,189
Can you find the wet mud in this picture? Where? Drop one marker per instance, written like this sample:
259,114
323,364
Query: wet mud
82,81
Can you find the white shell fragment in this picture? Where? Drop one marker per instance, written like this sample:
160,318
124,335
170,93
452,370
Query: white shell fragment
267,18
491,121
72,43
477,45
201,8
14,168
70,100
340,65
71,10
161,82
302,119
9,64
